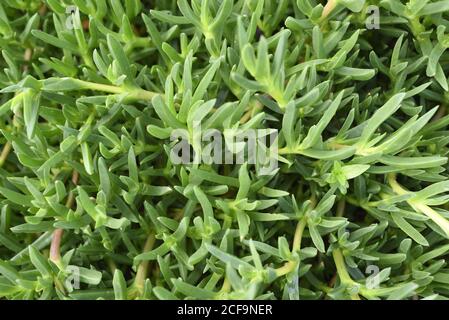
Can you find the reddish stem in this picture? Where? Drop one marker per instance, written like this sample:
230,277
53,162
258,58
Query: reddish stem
55,246
55,254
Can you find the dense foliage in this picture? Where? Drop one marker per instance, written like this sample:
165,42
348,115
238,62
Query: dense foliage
92,89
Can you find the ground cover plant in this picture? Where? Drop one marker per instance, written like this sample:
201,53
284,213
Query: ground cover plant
94,207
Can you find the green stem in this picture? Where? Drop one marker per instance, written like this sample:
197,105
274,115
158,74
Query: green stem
343,274
255,106
111,265
298,234
418,206
142,269
341,208
100,87
135,93
291,265
440,113
60,286
5,152
226,286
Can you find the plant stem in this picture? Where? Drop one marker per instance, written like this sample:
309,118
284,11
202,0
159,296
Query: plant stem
226,285
100,87
298,234
27,57
341,267
5,152
328,8
55,254
111,265
440,113
291,265
55,246
341,208
418,206
60,286
134,93
343,274
142,269
286,268
253,110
